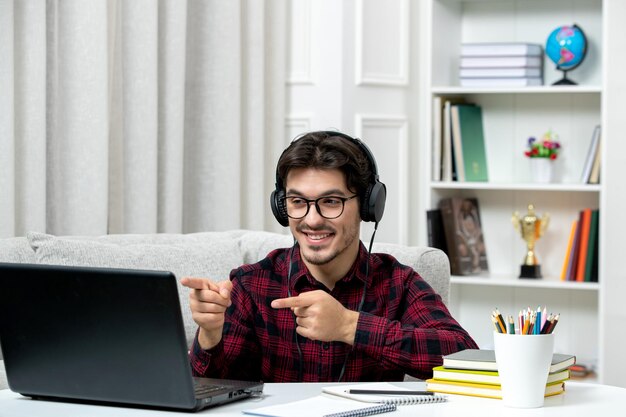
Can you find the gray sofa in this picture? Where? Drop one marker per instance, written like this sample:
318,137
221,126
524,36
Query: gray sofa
209,254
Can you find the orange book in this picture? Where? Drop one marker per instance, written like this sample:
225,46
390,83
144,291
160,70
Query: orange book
568,252
584,243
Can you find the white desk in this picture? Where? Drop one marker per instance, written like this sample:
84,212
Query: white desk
579,399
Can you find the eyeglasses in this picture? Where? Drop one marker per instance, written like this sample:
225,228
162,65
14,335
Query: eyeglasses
329,207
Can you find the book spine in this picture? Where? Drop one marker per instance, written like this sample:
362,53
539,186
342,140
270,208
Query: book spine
500,49
594,177
584,243
501,82
591,155
446,160
571,268
437,139
502,62
457,143
449,226
474,154
591,248
568,252
436,234
499,72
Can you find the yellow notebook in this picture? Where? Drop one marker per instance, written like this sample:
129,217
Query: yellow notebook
481,390
485,377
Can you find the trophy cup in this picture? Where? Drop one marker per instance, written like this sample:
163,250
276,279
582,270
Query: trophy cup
531,228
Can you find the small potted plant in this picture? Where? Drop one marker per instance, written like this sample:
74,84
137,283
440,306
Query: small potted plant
541,153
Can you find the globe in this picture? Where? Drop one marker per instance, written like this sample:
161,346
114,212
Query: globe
566,47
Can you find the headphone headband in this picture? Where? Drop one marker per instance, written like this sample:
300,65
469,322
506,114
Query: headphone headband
372,203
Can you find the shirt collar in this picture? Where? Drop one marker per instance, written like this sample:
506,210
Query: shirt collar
300,274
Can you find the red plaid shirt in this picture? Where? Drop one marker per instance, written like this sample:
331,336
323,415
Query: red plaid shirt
403,328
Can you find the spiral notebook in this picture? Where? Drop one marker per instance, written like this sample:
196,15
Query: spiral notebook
336,401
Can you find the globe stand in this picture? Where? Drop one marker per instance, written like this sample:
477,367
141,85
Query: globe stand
564,80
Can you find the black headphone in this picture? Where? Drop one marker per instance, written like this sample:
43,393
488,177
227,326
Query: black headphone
372,203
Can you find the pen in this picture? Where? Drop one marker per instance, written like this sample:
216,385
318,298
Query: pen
388,392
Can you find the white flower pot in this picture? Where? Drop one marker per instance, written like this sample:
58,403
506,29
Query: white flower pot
541,170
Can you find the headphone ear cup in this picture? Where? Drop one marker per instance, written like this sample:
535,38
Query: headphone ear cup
277,202
364,209
373,205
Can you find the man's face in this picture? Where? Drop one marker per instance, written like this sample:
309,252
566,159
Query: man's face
322,240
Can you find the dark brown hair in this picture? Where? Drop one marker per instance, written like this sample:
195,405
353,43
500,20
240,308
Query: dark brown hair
323,150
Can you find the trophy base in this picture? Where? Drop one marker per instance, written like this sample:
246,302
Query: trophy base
530,271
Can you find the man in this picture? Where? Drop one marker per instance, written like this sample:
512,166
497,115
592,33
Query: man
325,309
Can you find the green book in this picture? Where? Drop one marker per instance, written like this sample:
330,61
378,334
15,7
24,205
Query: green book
486,377
472,142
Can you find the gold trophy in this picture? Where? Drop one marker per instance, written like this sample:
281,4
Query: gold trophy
531,228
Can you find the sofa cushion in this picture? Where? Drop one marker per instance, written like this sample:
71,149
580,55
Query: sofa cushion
16,250
256,245
211,254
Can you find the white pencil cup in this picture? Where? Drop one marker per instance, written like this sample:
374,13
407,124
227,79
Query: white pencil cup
523,365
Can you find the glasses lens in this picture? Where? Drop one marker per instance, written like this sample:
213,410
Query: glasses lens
297,207
328,207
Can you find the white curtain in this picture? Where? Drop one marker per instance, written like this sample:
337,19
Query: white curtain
139,116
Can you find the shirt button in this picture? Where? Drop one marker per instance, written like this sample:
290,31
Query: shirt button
326,346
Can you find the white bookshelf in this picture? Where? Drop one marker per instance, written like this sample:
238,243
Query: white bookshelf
510,116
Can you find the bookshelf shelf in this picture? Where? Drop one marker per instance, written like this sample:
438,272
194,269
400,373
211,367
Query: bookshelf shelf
570,90
508,281
451,185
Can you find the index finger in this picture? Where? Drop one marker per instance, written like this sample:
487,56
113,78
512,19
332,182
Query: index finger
196,283
290,302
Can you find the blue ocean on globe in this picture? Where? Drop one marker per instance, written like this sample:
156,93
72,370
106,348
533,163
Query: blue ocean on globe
566,47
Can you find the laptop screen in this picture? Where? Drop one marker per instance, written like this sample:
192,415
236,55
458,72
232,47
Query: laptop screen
94,334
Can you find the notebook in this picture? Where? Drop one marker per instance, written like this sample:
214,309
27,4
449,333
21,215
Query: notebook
321,406
102,335
337,401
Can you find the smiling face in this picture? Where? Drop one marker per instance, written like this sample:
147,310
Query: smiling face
328,246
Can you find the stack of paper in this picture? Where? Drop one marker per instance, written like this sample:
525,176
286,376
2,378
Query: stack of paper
511,64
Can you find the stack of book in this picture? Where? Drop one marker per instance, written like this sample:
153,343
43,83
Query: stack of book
510,64
581,258
474,372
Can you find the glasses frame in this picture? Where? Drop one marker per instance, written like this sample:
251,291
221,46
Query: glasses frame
317,206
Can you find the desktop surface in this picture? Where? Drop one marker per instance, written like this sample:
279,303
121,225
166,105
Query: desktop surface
579,399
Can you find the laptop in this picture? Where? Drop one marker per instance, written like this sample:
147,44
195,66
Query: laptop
102,335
